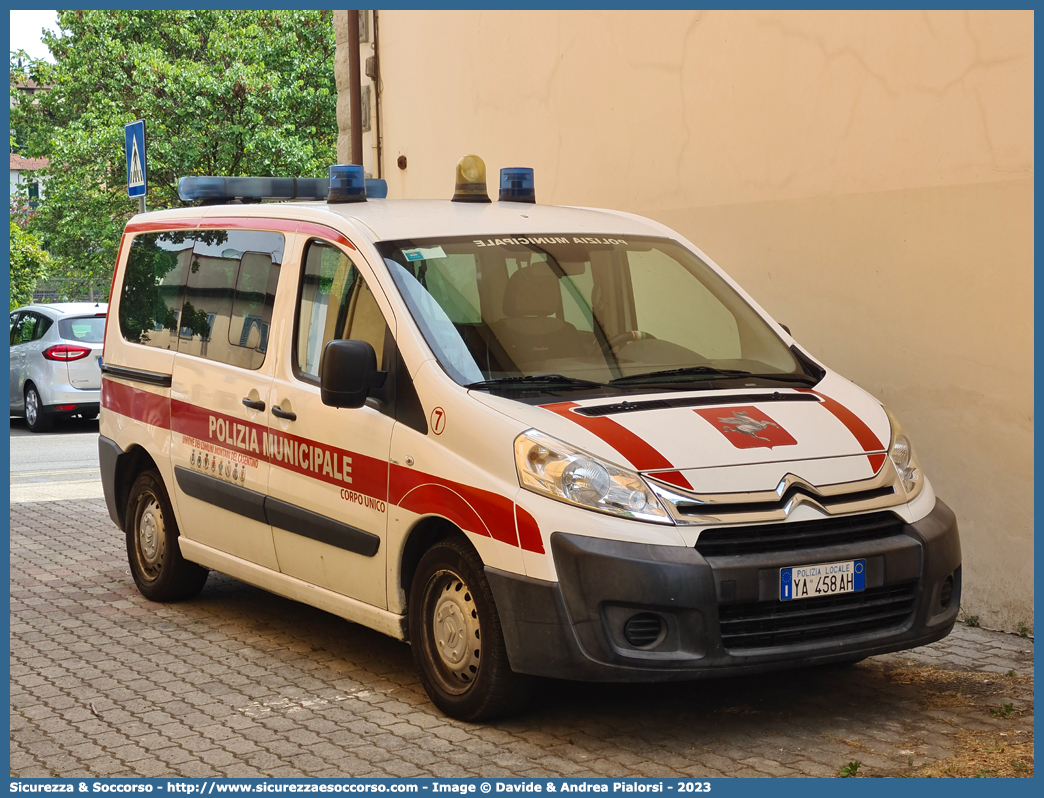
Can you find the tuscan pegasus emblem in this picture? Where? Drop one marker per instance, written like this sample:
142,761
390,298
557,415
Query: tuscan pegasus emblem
741,422
747,427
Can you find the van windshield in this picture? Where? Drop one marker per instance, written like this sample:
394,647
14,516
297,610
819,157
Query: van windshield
575,311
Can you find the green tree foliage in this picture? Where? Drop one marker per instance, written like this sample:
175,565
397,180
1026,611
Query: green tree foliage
29,264
221,93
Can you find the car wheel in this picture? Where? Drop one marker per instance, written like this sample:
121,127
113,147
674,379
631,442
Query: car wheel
456,637
159,570
35,417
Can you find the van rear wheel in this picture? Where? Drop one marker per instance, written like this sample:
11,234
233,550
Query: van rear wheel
159,570
456,637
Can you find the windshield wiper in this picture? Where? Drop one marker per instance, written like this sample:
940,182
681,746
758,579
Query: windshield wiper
653,376
559,380
708,371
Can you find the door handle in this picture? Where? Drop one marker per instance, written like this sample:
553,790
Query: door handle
278,412
254,404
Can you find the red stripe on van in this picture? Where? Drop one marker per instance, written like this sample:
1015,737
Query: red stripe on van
432,499
144,406
864,436
674,477
366,475
309,229
248,223
169,224
496,512
640,454
194,421
474,510
528,531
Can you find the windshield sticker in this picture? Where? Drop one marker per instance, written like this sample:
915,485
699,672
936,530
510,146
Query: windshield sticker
423,253
501,242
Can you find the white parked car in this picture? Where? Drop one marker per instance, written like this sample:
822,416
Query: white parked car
55,361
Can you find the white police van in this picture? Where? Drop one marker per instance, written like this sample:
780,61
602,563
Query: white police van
530,440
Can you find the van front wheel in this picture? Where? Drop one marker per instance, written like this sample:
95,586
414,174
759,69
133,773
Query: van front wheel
456,637
159,570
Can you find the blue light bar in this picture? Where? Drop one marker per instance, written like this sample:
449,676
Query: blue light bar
252,189
376,188
517,185
347,184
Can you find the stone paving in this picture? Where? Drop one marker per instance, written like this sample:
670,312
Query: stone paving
241,683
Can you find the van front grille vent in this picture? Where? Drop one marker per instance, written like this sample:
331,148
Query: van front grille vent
731,541
770,624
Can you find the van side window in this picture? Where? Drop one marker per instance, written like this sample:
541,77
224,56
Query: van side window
335,303
152,285
228,297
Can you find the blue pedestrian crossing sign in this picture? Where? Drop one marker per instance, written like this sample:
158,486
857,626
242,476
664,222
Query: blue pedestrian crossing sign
137,171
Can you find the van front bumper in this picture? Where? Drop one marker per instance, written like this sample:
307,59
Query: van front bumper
721,616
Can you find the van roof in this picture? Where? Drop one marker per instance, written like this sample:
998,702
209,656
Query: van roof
404,219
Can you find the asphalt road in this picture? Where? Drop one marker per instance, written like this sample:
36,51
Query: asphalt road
56,465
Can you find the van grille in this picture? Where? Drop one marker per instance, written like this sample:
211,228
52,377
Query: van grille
728,541
767,624
721,509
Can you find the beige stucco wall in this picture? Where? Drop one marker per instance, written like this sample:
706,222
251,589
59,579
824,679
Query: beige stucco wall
867,176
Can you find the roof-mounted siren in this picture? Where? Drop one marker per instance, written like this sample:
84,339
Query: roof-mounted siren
516,184
347,184
471,180
216,190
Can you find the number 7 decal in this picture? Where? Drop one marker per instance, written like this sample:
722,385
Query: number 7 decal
438,420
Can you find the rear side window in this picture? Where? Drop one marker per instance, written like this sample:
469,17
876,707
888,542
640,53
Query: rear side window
86,329
229,293
152,285
207,293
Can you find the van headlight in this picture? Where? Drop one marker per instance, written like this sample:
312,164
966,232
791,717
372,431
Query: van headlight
900,450
548,466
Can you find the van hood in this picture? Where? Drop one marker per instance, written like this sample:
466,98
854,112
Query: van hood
667,434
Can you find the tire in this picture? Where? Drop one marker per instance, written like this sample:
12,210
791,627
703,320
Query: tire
159,570
457,640
35,417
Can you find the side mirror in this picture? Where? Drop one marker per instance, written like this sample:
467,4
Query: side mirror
348,373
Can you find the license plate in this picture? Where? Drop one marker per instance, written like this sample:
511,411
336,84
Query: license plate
822,579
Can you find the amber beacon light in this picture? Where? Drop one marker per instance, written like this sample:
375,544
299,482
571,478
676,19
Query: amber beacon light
471,180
